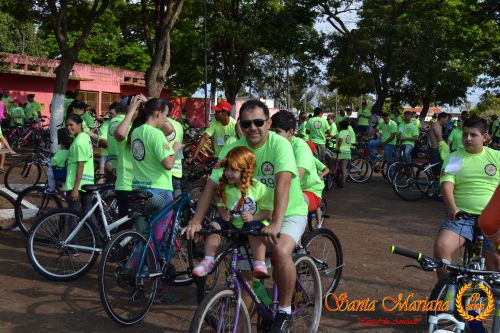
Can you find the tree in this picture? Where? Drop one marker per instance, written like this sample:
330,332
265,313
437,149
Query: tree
489,104
69,45
158,19
19,36
371,50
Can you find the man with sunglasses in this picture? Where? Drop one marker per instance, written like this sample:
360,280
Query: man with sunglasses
221,130
277,169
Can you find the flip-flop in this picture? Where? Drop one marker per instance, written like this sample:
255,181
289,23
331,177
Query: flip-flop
2,170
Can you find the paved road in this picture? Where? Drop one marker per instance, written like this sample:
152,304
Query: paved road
367,218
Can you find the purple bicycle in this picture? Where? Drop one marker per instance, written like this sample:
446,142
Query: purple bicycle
223,310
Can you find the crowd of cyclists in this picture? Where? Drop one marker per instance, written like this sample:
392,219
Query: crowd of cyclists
270,170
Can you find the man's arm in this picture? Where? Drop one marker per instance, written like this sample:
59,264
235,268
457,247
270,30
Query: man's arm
447,192
121,131
393,135
302,172
437,132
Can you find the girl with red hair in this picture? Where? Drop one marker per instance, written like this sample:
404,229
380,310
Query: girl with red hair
242,203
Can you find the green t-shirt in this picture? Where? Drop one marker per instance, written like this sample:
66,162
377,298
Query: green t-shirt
275,156
59,159
80,151
495,128
416,122
18,114
305,159
89,120
103,135
9,101
386,130
149,148
112,142
456,139
122,156
319,166
176,136
353,135
302,130
397,119
32,110
476,177
345,136
364,117
221,133
407,131
257,199
1,133
318,127
338,119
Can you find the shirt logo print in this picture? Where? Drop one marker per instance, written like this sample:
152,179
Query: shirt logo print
490,169
138,150
267,168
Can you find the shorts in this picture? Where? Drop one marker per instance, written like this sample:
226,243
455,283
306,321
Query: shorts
363,128
314,201
464,228
294,226
345,155
224,225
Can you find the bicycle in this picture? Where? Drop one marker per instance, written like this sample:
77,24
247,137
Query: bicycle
28,172
452,320
223,310
64,244
359,170
312,220
130,267
414,182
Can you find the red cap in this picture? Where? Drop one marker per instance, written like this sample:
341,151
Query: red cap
222,105
312,146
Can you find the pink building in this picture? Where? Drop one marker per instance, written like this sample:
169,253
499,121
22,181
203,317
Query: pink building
96,85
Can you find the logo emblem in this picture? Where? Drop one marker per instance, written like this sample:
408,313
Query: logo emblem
475,304
172,136
317,124
112,128
490,169
138,150
267,168
249,206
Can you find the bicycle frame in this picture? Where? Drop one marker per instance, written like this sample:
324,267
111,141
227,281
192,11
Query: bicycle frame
107,227
180,203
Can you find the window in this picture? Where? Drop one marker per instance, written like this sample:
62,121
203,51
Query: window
107,99
91,98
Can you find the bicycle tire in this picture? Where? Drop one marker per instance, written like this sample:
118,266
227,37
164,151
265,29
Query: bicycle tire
22,175
48,236
312,221
329,181
205,319
360,170
307,292
440,292
328,257
405,183
118,282
7,216
31,204
391,172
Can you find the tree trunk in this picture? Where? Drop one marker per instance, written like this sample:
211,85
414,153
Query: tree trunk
156,75
379,102
426,101
57,103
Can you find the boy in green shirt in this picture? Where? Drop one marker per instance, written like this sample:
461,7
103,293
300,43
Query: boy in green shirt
469,178
33,108
57,167
388,130
364,119
318,129
455,137
17,113
407,136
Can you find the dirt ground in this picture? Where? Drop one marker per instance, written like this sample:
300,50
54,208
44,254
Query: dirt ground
367,218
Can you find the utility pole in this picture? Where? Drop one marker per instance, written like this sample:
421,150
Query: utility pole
205,55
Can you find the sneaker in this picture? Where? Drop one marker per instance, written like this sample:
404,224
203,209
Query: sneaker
203,268
49,191
260,270
281,323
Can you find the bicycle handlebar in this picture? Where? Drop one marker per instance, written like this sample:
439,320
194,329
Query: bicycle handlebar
431,264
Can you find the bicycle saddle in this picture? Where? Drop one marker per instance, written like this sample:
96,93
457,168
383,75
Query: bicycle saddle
95,187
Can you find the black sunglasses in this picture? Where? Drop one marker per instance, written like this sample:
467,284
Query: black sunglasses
248,123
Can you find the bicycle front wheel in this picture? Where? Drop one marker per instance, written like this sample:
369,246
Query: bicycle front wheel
54,254
360,170
408,184
306,300
22,175
126,290
217,313
312,219
323,246
31,204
